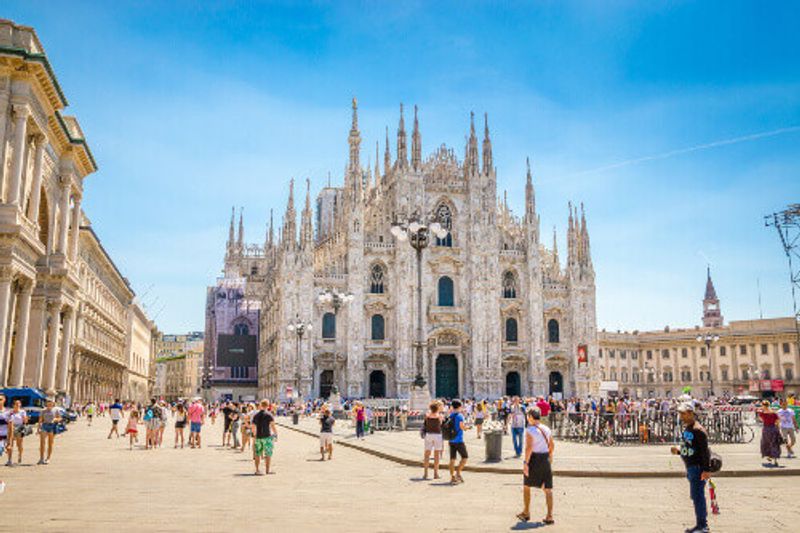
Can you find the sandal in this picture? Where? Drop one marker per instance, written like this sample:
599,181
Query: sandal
522,517
548,522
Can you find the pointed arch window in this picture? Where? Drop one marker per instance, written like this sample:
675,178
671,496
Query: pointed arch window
377,279
445,217
511,329
553,331
328,326
241,329
378,328
446,296
509,285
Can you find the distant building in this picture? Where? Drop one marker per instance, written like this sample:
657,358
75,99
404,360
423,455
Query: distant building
177,366
751,356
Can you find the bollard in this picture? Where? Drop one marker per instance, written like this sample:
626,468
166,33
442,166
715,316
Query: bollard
494,446
295,418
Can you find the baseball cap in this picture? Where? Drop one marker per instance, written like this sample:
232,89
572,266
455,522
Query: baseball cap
686,406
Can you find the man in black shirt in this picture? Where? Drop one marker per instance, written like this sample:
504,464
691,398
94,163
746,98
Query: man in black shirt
263,426
227,411
696,456
326,422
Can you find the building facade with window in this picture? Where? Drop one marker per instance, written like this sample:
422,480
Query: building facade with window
63,304
500,313
748,356
179,359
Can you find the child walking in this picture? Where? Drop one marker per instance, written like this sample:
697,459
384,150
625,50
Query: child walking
132,431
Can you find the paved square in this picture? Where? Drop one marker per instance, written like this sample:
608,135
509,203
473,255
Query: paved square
94,484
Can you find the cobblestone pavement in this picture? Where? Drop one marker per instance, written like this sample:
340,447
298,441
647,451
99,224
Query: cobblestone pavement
94,484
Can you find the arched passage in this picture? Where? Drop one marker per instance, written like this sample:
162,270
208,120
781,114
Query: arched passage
377,384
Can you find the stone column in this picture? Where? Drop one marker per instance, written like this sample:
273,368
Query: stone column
34,354
4,112
76,223
36,185
63,222
21,113
49,378
66,344
21,343
8,332
5,303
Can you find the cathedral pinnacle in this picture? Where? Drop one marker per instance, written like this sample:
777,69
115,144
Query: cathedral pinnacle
487,146
416,144
471,159
354,140
402,155
240,240
530,197
307,227
230,230
387,156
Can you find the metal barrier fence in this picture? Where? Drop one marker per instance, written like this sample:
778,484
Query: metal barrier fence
639,427
647,427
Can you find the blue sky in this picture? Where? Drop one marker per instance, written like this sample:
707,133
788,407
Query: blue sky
193,107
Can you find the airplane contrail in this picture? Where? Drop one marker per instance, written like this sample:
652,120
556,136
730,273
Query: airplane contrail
690,149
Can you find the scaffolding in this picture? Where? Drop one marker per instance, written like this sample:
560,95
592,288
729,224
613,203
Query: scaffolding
787,222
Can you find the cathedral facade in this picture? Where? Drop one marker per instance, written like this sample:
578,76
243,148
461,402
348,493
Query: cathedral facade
500,313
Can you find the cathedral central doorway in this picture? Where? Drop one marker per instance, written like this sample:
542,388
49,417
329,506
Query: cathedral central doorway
556,383
446,376
325,383
377,384
513,384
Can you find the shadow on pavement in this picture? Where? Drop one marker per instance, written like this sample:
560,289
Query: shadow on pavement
523,526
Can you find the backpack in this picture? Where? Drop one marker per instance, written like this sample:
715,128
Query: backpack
448,429
714,462
148,414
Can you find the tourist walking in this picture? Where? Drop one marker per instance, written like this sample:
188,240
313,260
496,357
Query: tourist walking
247,430
197,415
770,434
90,409
180,423
4,426
480,416
115,412
6,429
696,456
517,415
163,419
457,446
19,420
536,467
263,424
360,416
132,429
326,422
48,421
788,425
432,433
152,423
235,420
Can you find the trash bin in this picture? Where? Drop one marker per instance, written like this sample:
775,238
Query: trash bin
295,418
494,446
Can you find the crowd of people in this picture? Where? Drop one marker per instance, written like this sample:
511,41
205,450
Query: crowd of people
252,426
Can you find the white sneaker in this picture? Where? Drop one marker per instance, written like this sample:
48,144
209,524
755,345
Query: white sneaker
2,487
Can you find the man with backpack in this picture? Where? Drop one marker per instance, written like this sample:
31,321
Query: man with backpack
453,430
152,421
697,457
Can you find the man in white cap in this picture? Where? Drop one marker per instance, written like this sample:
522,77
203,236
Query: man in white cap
696,456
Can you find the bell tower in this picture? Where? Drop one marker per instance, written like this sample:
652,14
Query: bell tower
712,316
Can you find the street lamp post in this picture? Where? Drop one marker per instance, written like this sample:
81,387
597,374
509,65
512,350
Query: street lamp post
708,339
206,375
417,232
299,328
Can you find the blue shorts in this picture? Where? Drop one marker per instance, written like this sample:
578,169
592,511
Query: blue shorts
194,427
48,428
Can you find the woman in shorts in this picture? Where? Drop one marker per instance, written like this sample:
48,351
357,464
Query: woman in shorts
19,418
180,423
432,430
480,416
48,420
